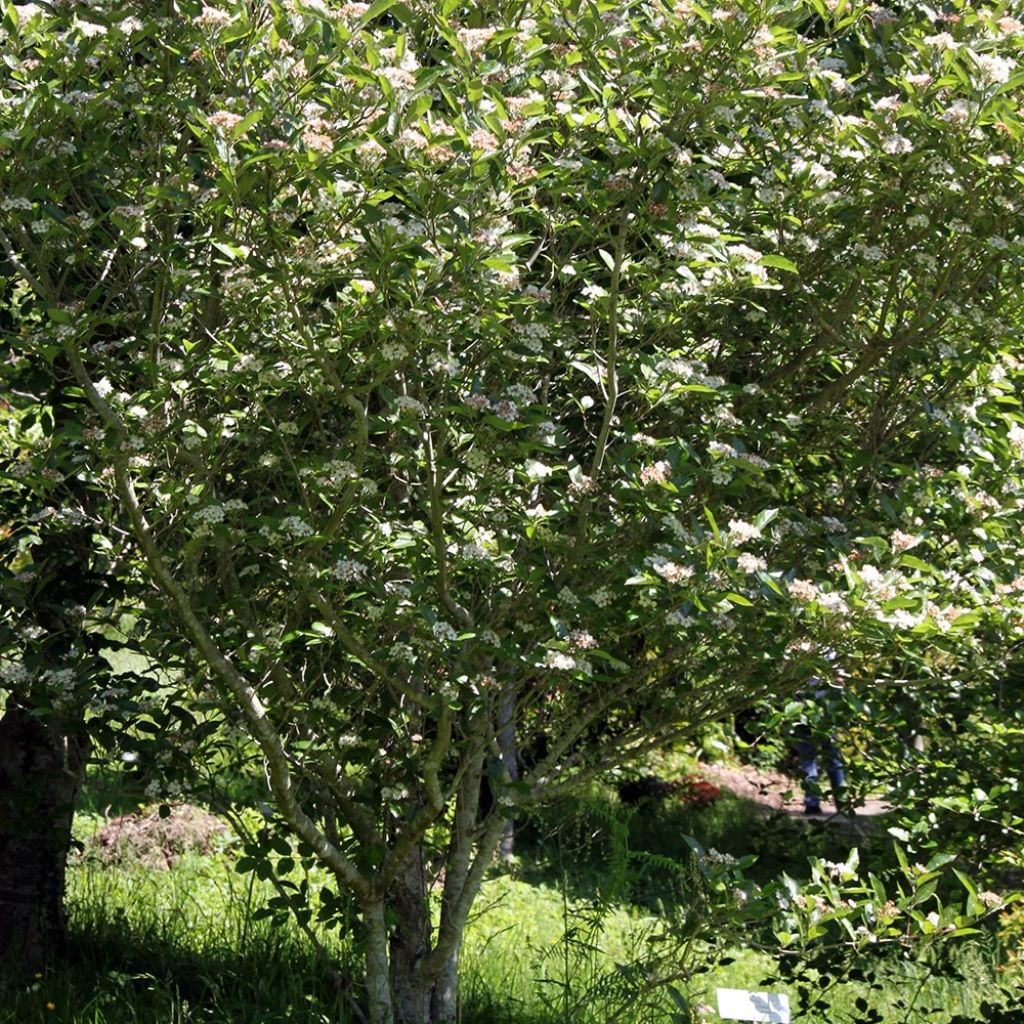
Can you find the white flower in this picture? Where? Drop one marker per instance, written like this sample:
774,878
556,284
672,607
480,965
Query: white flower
994,69
655,474
443,630
393,351
559,660
750,563
296,526
213,17
834,603
897,145
408,404
678,618
901,541
211,514
506,410
349,570
521,394
1015,438
740,532
669,571
802,590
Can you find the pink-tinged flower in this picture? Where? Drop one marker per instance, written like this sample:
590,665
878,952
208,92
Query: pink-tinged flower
802,590
483,141
901,541
741,532
581,640
655,474
750,563
213,17
318,142
507,410
224,120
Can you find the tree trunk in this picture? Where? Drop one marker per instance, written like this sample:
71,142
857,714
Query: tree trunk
378,982
510,762
410,945
445,1000
41,769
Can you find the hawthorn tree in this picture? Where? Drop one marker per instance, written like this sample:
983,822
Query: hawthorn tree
564,371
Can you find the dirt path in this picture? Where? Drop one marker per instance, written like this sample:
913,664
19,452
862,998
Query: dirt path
776,792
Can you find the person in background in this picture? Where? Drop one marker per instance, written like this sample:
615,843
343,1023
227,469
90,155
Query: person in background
813,743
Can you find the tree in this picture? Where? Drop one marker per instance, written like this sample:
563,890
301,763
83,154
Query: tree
565,368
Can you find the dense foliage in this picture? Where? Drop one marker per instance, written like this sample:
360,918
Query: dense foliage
552,375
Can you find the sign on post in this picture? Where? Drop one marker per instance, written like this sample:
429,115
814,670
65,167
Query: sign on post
764,1007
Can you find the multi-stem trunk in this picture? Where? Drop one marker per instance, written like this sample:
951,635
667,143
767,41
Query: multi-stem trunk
41,769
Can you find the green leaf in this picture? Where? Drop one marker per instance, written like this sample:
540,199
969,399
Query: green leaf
376,10
780,263
914,562
714,525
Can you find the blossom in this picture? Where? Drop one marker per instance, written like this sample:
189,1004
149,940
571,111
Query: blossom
740,532
994,69
408,404
560,660
474,39
901,541
212,17
521,394
670,572
834,603
481,139
750,563
318,142
444,630
224,120
802,590
506,410
581,640
1015,438
349,570
896,145
296,527
655,474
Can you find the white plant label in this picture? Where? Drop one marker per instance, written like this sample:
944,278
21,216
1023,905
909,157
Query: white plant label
766,1007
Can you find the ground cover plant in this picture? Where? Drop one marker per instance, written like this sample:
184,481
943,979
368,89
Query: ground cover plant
466,401
193,943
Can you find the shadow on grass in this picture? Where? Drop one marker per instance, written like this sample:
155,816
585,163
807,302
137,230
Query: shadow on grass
582,841
178,947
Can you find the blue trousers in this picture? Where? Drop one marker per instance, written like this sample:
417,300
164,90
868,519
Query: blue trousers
807,749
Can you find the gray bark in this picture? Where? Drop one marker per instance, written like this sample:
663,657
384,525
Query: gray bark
510,762
411,984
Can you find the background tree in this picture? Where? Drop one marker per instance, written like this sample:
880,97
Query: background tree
562,367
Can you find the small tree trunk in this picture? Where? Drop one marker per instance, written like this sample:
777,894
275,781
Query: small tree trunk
411,988
510,762
40,772
445,1002
378,983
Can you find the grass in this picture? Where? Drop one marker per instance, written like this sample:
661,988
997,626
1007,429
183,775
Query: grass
550,943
